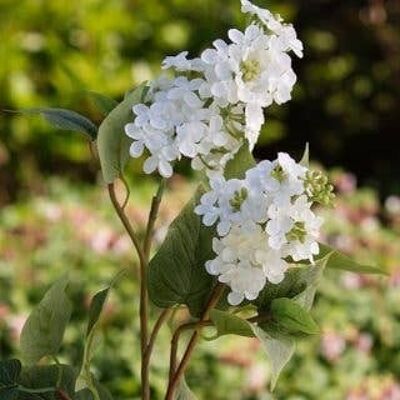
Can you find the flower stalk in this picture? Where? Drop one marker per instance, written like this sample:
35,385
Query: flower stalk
176,376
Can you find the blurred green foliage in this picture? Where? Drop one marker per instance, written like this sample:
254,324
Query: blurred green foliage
356,356
52,52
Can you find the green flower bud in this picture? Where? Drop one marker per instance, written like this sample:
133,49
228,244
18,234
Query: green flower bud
238,198
318,188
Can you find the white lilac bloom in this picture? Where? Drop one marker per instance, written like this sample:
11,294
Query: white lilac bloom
231,202
245,263
178,62
235,262
208,118
284,32
261,221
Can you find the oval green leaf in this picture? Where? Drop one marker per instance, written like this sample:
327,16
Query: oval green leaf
43,331
176,273
112,142
68,120
289,315
338,260
229,324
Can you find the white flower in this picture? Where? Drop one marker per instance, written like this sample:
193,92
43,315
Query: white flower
178,62
274,266
235,262
285,32
306,245
278,226
161,160
207,119
207,207
245,262
261,220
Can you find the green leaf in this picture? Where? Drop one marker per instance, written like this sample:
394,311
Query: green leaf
9,393
230,324
9,372
297,280
85,378
279,350
306,297
56,376
293,317
66,119
305,160
104,103
242,161
183,392
43,332
96,307
340,261
176,273
112,142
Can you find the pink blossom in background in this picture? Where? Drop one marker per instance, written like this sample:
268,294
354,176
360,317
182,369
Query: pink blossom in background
332,346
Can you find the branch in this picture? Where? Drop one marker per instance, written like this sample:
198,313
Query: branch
127,225
194,325
160,321
143,288
177,375
155,206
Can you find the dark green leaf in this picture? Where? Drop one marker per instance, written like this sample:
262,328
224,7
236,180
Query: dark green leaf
292,317
340,261
9,372
243,160
104,103
176,273
39,377
9,393
230,324
43,332
112,142
66,119
96,307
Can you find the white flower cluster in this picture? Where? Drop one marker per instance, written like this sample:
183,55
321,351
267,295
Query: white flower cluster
216,102
262,220
214,105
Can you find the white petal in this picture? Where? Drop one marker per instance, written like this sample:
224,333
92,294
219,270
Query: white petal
236,36
136,149
150,165
235,298
165,168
